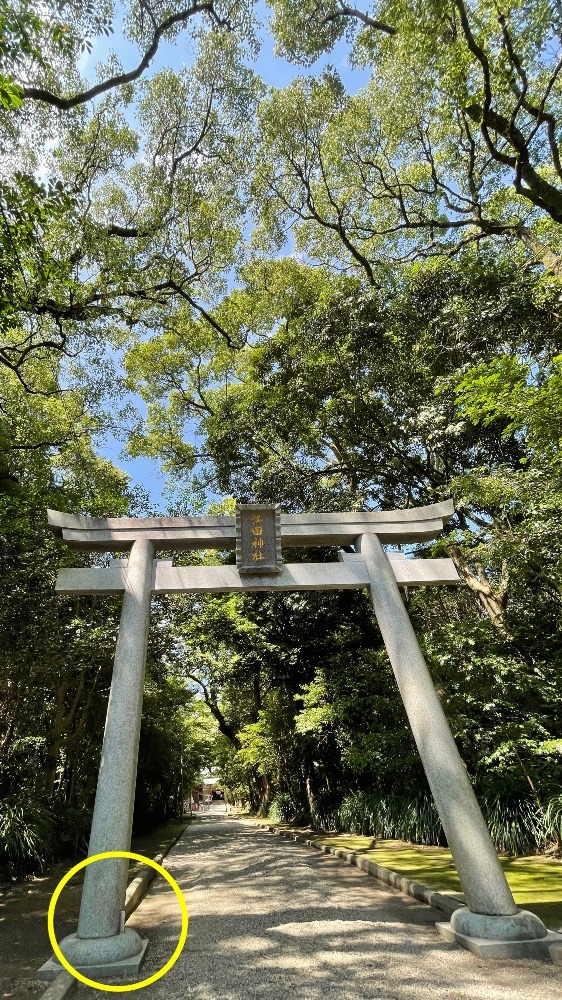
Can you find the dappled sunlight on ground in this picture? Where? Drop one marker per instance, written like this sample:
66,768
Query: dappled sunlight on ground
24,942
271,918
536,882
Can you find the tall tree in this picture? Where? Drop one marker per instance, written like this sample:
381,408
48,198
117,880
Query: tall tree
97,242
354,400
455,139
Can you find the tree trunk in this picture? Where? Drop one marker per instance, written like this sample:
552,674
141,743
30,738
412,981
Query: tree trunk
493,603
212,704
53,751
265,793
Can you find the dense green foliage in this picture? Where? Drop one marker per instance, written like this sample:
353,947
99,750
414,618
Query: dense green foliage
55,670
312,294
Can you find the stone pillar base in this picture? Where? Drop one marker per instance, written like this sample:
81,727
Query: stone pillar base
100,958
538,948
521,925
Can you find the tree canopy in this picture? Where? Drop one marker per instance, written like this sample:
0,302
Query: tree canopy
297,252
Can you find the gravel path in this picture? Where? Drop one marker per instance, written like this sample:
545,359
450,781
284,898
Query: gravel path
272,919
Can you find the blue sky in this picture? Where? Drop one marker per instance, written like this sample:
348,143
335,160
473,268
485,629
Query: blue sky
275,72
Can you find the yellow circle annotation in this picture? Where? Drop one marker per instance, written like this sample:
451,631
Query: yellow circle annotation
129,987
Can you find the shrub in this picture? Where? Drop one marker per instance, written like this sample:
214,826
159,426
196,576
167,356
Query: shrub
281,808
72,829
413,818
516,825
323,814
26,836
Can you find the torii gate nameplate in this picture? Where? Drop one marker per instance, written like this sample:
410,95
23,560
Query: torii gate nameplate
258,538
101,941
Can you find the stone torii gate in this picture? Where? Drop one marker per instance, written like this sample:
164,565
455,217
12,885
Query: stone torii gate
491,923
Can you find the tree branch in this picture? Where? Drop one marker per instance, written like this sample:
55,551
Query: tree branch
537,190
346,11
225,728
66,103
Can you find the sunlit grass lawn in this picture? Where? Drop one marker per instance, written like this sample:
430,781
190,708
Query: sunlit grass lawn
536,882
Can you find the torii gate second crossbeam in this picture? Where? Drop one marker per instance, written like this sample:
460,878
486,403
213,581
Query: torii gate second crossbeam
490,924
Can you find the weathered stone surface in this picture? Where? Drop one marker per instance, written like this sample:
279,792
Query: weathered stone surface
483,881
62,983
521,926
127,967
105,881
555,951
99,951
110,534
349,574
91,581
537,948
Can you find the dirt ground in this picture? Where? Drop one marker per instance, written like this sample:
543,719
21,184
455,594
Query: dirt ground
24,942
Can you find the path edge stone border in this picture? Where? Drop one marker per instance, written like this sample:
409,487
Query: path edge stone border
65,983
423,893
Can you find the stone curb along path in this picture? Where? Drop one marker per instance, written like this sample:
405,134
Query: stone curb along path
65,983
423,893
432,897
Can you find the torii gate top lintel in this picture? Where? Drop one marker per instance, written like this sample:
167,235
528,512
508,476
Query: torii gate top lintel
105,534
294,530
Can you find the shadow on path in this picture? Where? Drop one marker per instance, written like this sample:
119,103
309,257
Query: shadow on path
271,918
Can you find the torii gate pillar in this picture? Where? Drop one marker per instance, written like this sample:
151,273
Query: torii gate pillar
102,940
490,924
